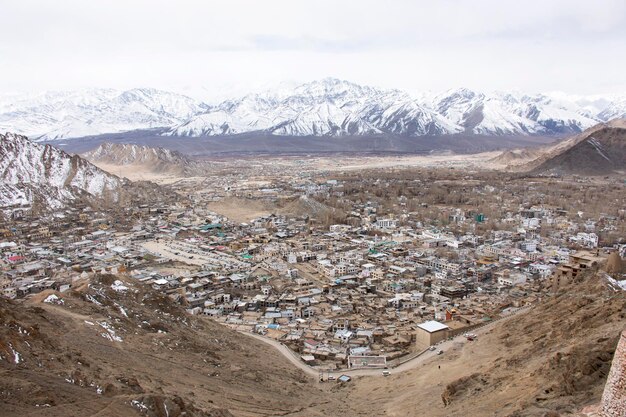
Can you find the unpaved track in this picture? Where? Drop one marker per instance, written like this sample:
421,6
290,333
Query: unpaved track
294,358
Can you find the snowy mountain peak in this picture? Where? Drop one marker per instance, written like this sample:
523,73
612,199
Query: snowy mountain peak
333,87
57,115
326,107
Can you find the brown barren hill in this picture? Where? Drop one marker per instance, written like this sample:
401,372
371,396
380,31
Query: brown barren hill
602,152
117,348
113,347
551,360
134,160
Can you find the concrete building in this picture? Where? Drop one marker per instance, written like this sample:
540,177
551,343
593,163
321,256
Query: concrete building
431,333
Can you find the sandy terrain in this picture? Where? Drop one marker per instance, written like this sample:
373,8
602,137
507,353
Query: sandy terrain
316,163
480,160
161,249
134,172
241,210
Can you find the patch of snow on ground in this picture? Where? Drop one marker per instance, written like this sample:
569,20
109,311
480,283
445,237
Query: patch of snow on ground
621,284
119,286
110,332
598,148
93,300
16,355
53,299
122,310
139,405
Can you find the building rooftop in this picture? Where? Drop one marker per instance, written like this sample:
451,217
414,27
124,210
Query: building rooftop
432,326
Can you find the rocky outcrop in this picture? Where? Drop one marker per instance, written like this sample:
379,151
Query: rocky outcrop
614,396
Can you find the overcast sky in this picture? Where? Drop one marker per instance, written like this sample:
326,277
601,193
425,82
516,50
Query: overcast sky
209,47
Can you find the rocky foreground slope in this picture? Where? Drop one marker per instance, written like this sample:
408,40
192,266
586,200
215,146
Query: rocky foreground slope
550,361
112,347
116,348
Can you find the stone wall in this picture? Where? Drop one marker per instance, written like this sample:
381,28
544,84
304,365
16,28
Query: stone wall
614,396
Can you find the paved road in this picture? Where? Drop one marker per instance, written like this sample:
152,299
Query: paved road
294,358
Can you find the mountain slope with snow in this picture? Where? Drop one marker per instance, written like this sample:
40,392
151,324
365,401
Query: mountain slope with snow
323,108
332,107
60,115
509,114
328,107
33,173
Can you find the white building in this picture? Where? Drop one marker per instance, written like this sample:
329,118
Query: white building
588,240
512,279
386,223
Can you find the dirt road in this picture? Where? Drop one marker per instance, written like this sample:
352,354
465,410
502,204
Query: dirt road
294,358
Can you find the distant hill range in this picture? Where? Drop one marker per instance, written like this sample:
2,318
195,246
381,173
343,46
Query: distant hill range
599,150
322,108
156,160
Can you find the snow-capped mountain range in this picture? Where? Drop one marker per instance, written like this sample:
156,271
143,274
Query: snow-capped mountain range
327,107
58,115
33,173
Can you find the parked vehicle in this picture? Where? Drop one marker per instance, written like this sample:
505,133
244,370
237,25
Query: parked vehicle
440,352
386,373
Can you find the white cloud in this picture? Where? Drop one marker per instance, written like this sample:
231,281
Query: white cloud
567,45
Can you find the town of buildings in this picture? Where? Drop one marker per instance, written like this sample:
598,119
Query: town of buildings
364,293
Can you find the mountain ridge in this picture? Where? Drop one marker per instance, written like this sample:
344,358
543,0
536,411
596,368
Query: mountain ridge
598,150
45,178
152,159
327,107
33,172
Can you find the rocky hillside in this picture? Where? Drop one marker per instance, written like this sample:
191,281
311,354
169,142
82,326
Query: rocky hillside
31,172
46,178
516,157
598,150
552,360
599,153
112,347
560,352
156,160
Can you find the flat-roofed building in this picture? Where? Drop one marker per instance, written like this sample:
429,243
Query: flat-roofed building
430,333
